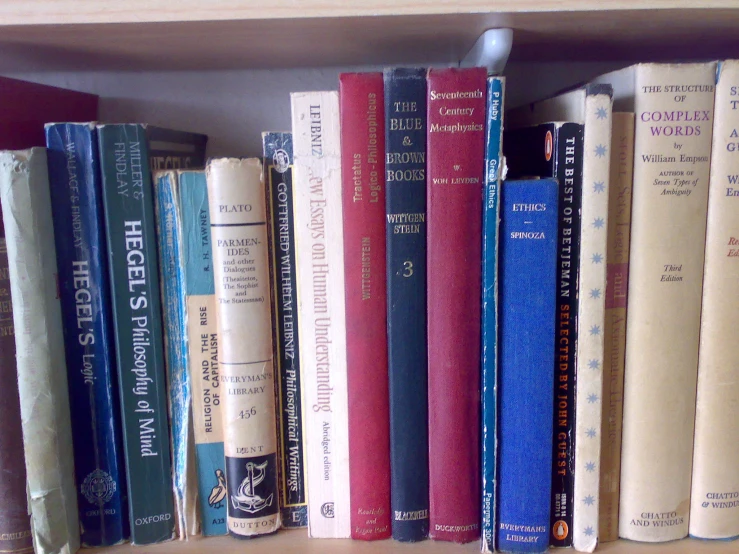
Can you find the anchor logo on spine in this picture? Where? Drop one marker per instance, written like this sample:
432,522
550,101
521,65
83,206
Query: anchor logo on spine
247,500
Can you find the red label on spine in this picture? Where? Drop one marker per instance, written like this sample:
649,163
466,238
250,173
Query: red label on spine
617,285
363,194
456,141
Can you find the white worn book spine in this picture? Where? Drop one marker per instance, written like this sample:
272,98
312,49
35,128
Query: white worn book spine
714,509
673,104
591,317
320,277
42,374
238,221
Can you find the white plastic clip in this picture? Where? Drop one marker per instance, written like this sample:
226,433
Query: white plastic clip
491,50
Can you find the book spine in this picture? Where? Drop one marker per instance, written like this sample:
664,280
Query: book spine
320,264
489,339
237,204
363,201
456,142
128,200
15,519
77,210
614,336
527,287
39,344
405,206
668,231
714,508
591,287
174,315
278,154
568,171
202,333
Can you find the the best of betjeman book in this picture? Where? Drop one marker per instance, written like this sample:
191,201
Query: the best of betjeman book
528,297
15,519
556,150
176,348
363,191
674,120
238,225
617,258
489,347
405,204
714,508
202,333
278,162
320,264
79,231
39,345
128,200
456,144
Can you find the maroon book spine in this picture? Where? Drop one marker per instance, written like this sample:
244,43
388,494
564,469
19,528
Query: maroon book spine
15,522
363,200
456,142
26,107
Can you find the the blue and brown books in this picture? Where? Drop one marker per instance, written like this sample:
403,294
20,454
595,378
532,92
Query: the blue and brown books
77,210
405,203
128,200
528,306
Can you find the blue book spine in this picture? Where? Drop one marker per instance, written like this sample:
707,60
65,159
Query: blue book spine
172,272
528,294
77,212
405,109
490,215
203,362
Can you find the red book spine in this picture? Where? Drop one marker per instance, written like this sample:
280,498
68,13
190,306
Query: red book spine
363,200
456,141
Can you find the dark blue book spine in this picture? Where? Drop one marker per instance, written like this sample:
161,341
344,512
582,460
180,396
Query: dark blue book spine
405,109
528,293
490,215
76,194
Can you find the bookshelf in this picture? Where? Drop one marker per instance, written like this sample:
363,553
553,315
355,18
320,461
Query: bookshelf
215,66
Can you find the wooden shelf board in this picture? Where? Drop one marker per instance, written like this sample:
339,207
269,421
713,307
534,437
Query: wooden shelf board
43,12
297,542
423,38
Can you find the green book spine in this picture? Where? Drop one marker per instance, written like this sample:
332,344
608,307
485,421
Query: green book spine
130,227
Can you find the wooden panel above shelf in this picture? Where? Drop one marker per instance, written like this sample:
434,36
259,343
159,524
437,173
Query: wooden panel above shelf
573,30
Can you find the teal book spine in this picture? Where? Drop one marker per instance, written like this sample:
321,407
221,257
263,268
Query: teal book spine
128,203
489,362
174,314
203,353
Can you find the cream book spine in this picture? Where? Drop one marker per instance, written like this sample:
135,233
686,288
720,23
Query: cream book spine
714,508
591,315
320,277
42,375
673,104
238,226
617,258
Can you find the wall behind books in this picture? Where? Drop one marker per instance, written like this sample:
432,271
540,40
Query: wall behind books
234,107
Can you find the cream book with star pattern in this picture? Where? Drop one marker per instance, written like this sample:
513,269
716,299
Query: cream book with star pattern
591,106
673,104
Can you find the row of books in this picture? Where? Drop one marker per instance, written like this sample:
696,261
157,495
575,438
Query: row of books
374,334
